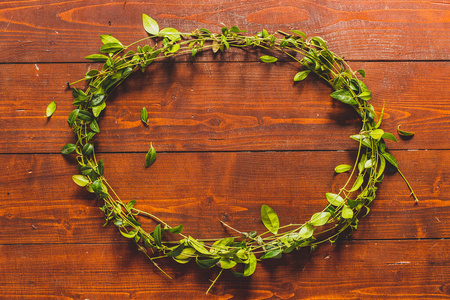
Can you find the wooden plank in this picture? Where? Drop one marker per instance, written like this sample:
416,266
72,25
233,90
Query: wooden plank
42,205
224,106
351,270
54,31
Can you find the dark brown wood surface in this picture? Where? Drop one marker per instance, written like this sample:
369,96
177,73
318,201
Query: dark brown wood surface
232,134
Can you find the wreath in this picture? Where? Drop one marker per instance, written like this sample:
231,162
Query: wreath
240,253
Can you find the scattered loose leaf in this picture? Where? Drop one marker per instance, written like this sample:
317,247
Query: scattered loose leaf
404,133
144,116
150,157
268,59
51,108
342,168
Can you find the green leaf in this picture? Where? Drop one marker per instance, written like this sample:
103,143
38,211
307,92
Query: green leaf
320,218
268,59
96,110
94,126
276,253
334,199
366,95
306,232
87,149
207,263
111,48
342,168
299,33
344,96
177,229
171,33
250,268
150,25
100,167
198,246
376,134
97,57
380,118
185,256
365,141
97,99
382,166
157,233
144,116
391,159
131,204
72,117
347,212
358,182
176,251
404,133
226,263
362,72
301,75
80,180
369,164
150,157
51,108
109,39
68,148
224,242
130,234
85,115
389,136
270,219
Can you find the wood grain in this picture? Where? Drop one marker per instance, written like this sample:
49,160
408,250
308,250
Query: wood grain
54,31
223,108
199,190
352,270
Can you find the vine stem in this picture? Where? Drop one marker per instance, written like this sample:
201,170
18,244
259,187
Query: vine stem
416,200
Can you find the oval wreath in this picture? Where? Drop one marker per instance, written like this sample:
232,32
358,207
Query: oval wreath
247,248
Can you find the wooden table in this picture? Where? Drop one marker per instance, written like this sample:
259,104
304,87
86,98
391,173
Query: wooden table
232,134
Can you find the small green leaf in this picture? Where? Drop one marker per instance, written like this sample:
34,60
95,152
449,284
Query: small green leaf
270,219
177,229
176,251
342,168
50,109
207,263
382,166
380,118
72,117
334,199
100,167
109,39
226,263
404,133
320,218
150,157
389,136
369,164
391,159
306,232
366,95
362,72
68,148
344,96
130,234
185,255
80,180
94,126
85,115
97,57
131,204
276,253
299,33
347,212
111,48
171,33
301,75
358,182
268,59
150,25
157,233
250,268
96,110
87,149
198,246
376,134
144,116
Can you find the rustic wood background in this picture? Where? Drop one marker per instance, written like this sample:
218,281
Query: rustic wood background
232,134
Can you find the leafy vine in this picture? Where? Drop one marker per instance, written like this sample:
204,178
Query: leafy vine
343,209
